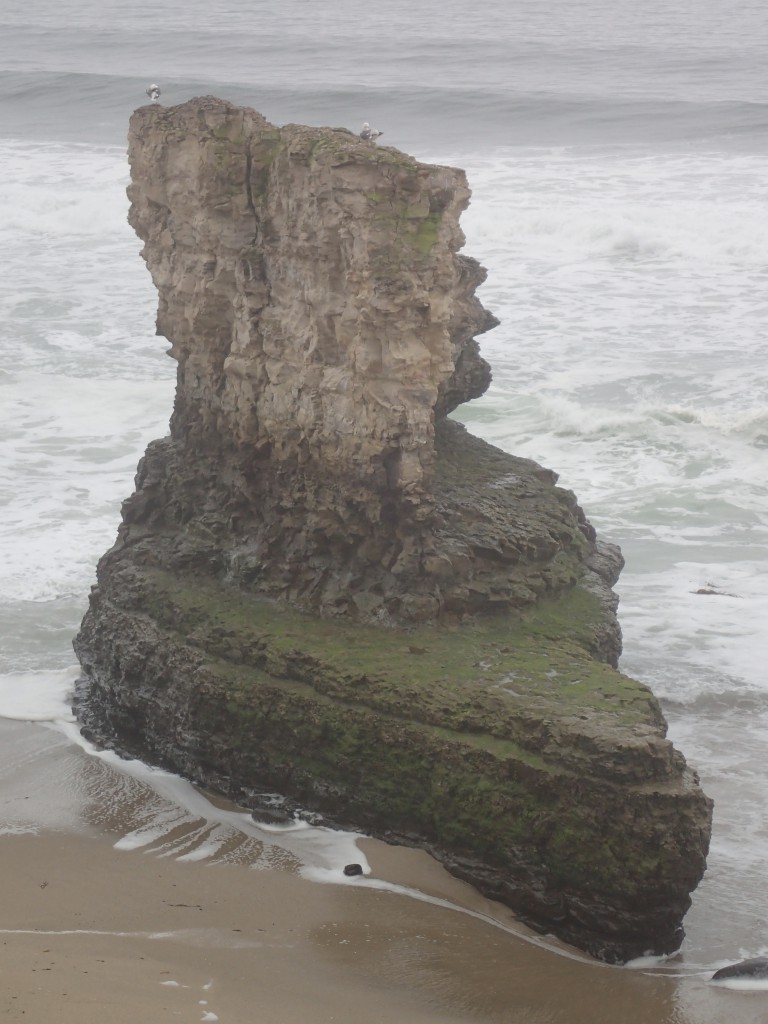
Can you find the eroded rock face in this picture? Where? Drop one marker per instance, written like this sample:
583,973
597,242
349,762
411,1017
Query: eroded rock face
324,324
324,587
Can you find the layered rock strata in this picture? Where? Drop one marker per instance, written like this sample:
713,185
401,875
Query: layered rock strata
324,586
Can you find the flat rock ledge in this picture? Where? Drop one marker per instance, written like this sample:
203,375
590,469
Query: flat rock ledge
325,587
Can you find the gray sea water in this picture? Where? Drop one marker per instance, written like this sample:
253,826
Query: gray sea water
617,154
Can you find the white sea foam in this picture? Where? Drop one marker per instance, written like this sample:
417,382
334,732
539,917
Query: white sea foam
63,215
207,848
162,822
576,311
58,191
508,925
180,821
570,205
201,937
37,696
631,359
20,830
69,456
642,963
702,622
86,383
743,984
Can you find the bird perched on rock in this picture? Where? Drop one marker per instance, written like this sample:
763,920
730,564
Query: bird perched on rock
154,92
369,134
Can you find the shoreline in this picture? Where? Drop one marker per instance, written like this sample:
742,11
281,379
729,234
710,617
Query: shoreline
91,933
107,899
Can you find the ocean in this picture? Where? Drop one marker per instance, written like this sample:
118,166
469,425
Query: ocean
616,153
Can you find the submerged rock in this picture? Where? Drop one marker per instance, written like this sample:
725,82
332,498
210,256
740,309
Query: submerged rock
324,587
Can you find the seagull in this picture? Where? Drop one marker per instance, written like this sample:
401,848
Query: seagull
154,92
369,134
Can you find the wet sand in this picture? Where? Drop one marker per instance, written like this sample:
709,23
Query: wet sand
93,934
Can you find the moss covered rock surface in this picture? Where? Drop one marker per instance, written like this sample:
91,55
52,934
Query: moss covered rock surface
325,587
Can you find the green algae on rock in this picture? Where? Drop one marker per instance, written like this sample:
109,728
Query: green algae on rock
324,586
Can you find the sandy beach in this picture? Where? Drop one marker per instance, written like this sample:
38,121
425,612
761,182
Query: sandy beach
616,156
93,934
129,895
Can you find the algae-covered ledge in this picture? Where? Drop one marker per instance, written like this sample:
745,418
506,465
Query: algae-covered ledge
323,586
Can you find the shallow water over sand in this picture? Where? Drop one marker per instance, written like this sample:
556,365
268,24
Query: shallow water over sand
113,843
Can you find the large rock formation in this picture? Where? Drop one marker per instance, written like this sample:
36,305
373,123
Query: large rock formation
324,586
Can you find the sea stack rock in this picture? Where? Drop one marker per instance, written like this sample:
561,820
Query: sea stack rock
324,587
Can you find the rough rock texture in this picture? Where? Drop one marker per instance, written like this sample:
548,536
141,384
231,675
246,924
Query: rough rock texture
324,324
325,587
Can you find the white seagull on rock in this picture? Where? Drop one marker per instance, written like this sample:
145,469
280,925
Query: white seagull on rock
369,134
154,92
